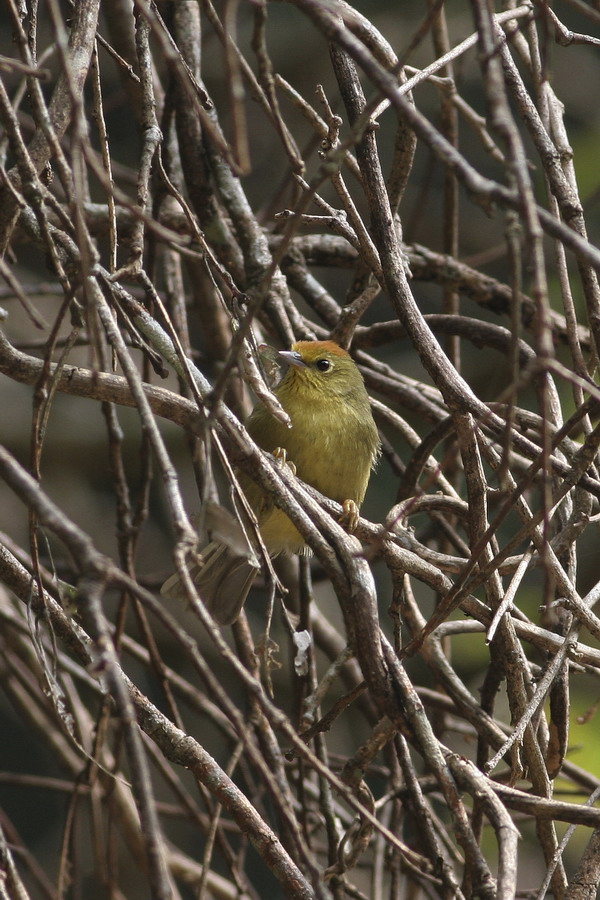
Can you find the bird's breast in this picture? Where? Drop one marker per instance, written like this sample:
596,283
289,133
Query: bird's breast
332,453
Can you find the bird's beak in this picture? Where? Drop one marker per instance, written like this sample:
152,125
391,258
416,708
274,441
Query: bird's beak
293,358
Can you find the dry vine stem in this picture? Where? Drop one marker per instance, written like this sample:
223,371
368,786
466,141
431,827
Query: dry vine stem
177,188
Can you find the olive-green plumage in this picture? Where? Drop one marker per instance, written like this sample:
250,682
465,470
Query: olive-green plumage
333,443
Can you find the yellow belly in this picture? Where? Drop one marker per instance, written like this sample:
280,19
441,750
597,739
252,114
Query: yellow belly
279,534
334,454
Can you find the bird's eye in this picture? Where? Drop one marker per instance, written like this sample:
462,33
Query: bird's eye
323,365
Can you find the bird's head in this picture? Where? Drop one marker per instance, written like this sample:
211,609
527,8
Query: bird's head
321,369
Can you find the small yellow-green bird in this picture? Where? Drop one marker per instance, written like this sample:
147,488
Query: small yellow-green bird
333,444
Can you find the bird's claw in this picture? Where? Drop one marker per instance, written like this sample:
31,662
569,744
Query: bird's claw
350,516
280,454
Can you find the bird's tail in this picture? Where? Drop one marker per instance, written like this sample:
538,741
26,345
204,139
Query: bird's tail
223,577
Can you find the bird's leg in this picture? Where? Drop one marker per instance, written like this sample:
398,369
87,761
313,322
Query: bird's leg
350,516
280,454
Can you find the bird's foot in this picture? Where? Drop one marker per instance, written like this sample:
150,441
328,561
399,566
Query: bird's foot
280,454
350,516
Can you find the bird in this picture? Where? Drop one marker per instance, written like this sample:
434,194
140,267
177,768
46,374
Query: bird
333,445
